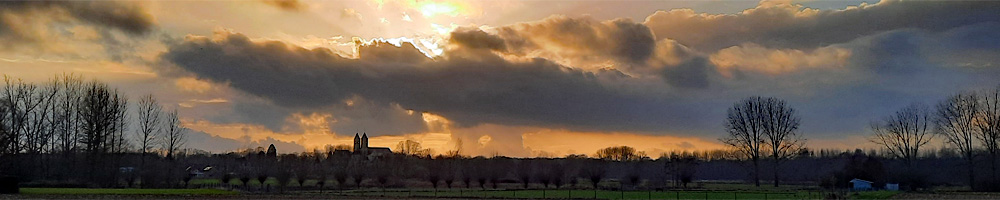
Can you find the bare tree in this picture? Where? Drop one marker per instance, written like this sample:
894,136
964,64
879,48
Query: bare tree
903,133
410,147
149,126
102,113
175,134
955,119
681,166
593,170
746,131
525,171
67,118
988,125
21,100
780,135
620,153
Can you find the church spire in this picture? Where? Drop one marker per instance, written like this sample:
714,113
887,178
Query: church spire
357,143
364,141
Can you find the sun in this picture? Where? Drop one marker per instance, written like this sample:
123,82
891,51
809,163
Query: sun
429,8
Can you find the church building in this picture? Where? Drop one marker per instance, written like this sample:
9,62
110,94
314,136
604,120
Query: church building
361,147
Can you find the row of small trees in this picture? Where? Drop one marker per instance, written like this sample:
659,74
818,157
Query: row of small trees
400,170
968,122
50,129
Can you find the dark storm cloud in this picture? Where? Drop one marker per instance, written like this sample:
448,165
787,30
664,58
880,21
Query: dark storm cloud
901,67
619,39
588,41
469,89
36,23
477,39
128,18
692,73
778,25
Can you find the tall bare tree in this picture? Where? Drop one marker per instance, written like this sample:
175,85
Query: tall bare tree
175,134
22,100
988,125
745,125
67,118
903,133
102,112
955,119
781,138
149,127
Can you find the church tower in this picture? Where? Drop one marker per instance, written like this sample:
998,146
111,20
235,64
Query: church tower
357,143
364,142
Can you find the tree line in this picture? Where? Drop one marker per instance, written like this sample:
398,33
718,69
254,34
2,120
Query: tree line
71,129
968,122
765,128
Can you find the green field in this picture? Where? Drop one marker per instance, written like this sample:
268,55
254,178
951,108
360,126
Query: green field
102,191
558,194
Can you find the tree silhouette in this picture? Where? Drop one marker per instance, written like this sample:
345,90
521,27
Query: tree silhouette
904,132
620,153
759,125
955,120
410,147
149,124
988,123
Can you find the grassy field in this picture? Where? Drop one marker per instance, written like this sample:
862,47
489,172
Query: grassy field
559,194
103,191
703,191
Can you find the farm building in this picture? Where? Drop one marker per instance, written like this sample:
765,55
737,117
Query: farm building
861,185
892,186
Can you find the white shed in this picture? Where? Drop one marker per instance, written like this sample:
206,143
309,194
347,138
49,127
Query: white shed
861,185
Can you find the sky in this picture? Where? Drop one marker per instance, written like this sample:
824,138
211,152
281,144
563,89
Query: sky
515,78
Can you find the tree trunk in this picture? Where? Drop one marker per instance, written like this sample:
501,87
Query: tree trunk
776,172
972,176
993,167
756,173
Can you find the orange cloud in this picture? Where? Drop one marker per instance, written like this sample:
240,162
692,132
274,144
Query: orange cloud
753,57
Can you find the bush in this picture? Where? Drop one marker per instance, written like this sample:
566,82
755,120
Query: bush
8,185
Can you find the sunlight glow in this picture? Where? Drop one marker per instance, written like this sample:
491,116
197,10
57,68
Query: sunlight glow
430,47
429,9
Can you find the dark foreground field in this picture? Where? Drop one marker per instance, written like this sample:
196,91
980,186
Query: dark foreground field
82,193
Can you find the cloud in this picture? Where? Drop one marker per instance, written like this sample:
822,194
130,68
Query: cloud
561,37
348,13
475,38
569,73
35,22
589,44
288,5
786,25
755,58
468,87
